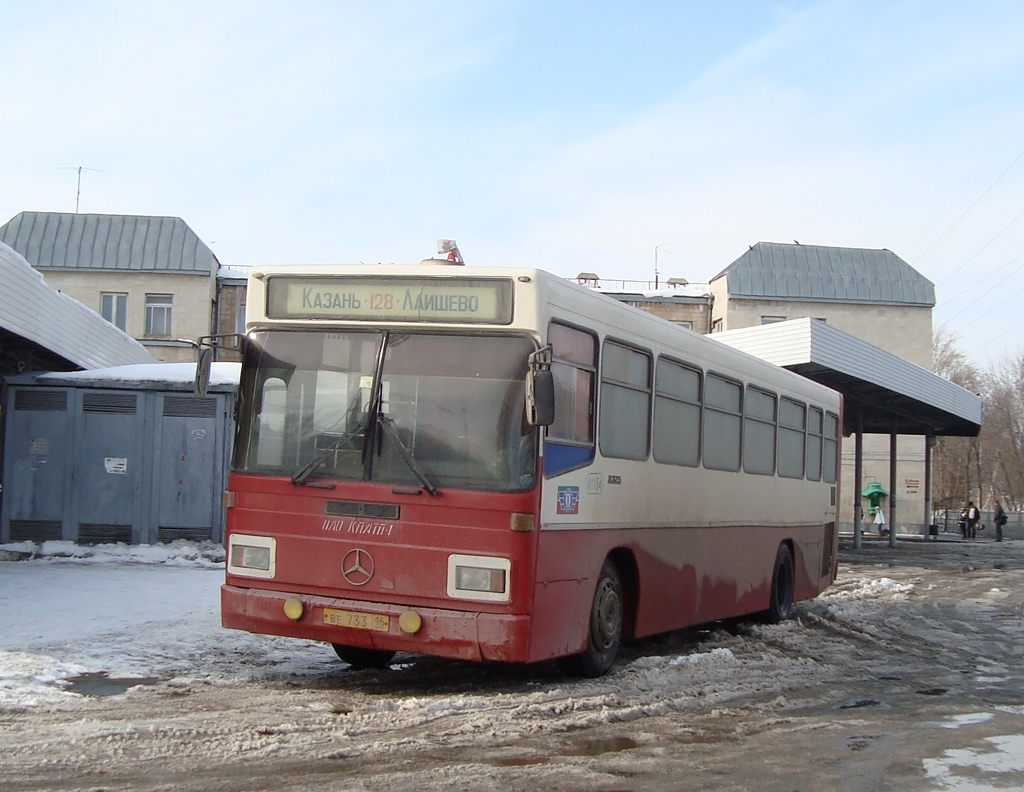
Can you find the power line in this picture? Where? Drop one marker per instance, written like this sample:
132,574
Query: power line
969,208
996,338
996,286
982,248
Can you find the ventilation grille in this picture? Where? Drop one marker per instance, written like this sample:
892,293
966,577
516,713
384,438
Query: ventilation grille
41,400
826,552
35,530
189,534
115,403
189,407
103,533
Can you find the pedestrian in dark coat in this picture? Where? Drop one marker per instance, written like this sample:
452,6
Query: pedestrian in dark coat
973,518
999,520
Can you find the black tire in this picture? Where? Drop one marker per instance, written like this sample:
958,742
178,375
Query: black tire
360,658
605,633
780,607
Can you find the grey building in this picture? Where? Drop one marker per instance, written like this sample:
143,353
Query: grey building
871,294
151,277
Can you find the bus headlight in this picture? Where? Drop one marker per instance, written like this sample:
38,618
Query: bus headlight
252,556
479,578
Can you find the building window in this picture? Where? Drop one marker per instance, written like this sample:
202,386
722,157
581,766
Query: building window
158,314
772,319
114,308
716,326
684,323
240,320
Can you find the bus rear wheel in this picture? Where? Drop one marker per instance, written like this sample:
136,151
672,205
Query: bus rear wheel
360,658
780,607
605,633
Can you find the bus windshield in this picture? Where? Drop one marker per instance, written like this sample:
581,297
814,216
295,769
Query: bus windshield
437,410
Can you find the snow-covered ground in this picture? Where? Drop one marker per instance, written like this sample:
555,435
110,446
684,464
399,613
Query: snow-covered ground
75,617
142,611
151,612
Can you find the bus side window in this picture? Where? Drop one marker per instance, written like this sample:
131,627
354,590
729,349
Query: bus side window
830,448
677,413
759,432
814,430
792,438
625,422
723,416
569,440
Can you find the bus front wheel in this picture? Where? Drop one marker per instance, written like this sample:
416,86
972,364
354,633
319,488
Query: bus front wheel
360,658
605,633
780,607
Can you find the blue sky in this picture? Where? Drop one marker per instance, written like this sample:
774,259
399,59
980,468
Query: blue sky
574,136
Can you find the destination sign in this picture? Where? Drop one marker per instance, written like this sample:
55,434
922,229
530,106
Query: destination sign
400,299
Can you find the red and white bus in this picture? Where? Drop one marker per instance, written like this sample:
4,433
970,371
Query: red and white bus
498,464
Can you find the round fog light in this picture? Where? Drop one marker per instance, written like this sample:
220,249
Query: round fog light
293,608
410,622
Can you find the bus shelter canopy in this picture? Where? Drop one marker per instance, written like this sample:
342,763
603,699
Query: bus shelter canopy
889,395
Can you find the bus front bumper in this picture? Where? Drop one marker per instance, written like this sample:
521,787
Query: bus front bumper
464,635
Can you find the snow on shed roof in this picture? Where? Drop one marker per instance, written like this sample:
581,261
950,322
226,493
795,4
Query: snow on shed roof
65,241
146,376
31,309
826,274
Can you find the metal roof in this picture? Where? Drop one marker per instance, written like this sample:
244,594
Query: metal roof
41,327
64,241
826,274
892,394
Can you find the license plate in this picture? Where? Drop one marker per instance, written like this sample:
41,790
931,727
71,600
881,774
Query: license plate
358,621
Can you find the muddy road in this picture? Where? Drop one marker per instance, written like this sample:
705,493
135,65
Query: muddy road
907,675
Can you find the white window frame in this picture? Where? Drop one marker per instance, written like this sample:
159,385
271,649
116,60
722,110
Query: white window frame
114,308
159,314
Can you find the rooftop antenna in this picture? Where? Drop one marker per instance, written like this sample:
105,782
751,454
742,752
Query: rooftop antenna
656,249
78,190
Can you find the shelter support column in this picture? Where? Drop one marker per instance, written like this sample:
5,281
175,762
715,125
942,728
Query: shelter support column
929,443
858,474
892,486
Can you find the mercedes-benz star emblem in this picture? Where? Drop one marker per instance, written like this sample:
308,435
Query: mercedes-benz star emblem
357,567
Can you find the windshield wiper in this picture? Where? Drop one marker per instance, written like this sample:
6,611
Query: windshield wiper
388,423
307,470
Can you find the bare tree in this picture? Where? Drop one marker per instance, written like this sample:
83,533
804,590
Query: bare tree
957,461
1003,431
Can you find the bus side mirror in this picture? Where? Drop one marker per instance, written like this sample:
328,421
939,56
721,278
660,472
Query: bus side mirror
204,359
540,398
206,347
